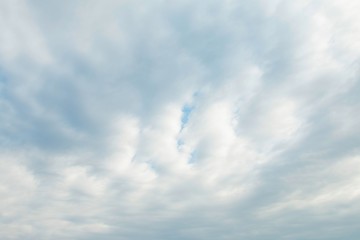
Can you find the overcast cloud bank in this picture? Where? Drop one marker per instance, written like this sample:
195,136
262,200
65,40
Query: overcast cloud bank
180,119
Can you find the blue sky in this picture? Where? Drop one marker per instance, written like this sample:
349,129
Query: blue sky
179,120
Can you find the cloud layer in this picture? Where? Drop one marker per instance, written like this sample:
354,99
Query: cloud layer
179,120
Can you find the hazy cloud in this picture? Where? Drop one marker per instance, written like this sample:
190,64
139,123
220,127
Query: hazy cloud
179,120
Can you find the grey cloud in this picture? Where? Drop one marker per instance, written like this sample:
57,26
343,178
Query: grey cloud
182,120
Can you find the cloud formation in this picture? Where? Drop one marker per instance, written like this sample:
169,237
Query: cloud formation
179,120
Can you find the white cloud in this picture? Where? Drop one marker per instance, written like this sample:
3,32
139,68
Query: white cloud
182,120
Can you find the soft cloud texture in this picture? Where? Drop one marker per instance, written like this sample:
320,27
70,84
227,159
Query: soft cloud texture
179,119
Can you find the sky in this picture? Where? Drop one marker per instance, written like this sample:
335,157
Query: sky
180,120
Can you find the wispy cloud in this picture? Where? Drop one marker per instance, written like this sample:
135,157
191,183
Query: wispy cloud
179,120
